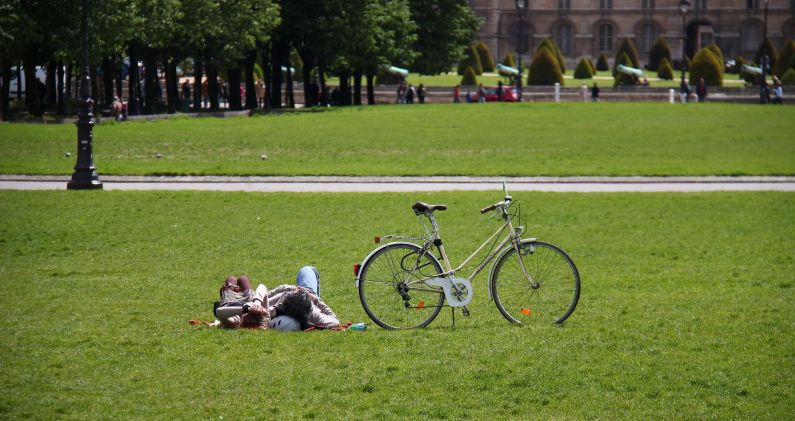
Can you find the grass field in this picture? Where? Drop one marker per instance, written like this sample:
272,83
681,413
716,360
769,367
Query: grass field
468,139
686,312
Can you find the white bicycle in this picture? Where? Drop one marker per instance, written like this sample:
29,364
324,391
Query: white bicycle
404,283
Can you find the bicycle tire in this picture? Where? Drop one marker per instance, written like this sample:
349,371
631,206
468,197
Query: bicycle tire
391,288
558,291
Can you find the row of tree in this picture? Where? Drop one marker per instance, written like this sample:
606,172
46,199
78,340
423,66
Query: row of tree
347,38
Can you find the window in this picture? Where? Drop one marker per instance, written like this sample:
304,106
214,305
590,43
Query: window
648,34
750,36
564,4
648,4
751,4
605,4
563,38
605,38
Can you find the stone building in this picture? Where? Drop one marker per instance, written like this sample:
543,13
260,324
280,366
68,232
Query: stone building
588,28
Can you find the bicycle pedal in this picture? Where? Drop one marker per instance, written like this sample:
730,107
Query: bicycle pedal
465,311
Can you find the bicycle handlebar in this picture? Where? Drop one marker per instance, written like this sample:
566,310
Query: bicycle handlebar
505,203
488,208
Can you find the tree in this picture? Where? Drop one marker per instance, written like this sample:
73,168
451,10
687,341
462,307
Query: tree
443,28
545,69
785,59
549,44
706,65
509,61
715,50
470,78
486,61
659,50
471,59
627,47
583,70
601,63
665,71
766,47
623,79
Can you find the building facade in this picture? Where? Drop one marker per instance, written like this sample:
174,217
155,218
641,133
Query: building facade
588,28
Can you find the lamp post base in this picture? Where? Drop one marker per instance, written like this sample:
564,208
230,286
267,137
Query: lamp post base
84,181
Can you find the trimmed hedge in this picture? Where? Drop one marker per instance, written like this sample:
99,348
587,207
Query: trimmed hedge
719,55
471,59
665,71
470,78
601,63
583,70
545,69
509,61
627,47
786,60
621,79
659,50
549,44
766,47
591,66
706,65
788,78
486,61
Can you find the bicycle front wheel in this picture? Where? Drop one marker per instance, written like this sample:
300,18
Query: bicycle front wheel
392,286
548,295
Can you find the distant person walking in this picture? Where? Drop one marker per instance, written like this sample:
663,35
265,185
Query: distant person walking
778,92
499,91
481,93
421,94
259,89
684,91
595,92
457,94
701,90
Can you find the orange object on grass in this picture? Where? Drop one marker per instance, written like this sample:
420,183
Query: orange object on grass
420,305
526,312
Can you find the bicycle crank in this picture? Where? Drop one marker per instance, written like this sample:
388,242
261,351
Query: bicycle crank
457,291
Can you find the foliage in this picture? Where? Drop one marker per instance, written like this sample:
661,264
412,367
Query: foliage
622,79
659,321
444,27
471,59
766,47
788,78
786,60
659,50
583,70
706,65
665,71
550,44
509,60
738,64
627,47
714,49
591,66
486,61
470,77
545,69
601,63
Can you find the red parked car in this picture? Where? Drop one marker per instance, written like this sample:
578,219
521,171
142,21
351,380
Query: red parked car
508,95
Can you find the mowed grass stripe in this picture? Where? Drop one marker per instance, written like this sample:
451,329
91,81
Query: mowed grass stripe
466,139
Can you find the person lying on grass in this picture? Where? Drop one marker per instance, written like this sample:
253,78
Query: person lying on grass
285,308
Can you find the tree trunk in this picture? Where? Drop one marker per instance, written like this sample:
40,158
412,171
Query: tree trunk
151,82
275,85
119,72
133,86
69,72
19,77
51,99
266,70
310,96
60,90
235,103
107,76
357,87
198,69
324,95
370,89
212,85
171,83
251,94
345,88
5,100
289,98
32,94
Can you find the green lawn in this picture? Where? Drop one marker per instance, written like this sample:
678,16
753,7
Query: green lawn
466,139
686,308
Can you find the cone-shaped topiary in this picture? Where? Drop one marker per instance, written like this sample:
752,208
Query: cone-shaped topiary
544,70
621,79
719,55
485,56
583,70
470,78
788,78
549,43
627,47
785,59
766,47
509,61
738,64
664,70
659,50
471,59
591,66
706,65
601,63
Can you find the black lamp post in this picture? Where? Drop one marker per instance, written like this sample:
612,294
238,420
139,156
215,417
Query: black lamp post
520,7
85,175
763,81
684,7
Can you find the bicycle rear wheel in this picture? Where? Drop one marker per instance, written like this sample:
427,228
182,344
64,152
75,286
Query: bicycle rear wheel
392,290
555,294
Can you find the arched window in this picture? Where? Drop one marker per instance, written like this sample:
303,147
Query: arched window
648,34
647,4
750,36
563,38
605,37
564,4
605,4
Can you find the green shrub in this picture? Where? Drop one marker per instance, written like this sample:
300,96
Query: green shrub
471,59
545,69
297,64
591,66
486,61
785,59
788,78
470,78
386,78
766,47
549,44
706,65
719,55
627,47
258,73
509,61
664,70
601,63
738,64
583,70
621,79
659,50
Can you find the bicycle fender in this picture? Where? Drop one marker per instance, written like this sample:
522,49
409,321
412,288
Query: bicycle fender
447,285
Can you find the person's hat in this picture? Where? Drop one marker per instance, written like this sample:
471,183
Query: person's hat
285,324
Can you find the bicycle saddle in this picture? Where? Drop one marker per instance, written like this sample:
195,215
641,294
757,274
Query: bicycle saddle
420,207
